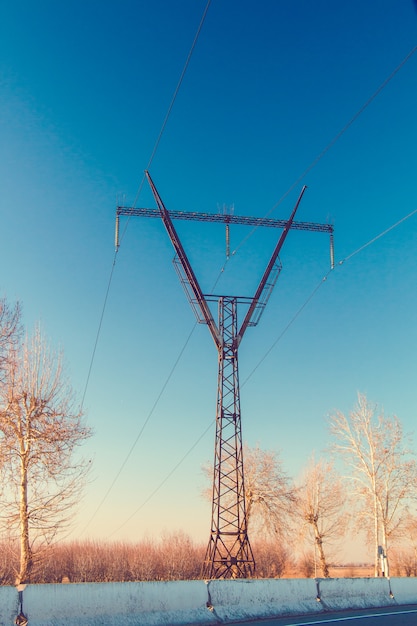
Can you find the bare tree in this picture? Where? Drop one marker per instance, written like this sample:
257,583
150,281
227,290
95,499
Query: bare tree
321,506
10,331
273,559
40,431
269,493
407,557
383,472
411,531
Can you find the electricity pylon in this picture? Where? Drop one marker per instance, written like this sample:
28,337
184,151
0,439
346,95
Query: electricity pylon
229,554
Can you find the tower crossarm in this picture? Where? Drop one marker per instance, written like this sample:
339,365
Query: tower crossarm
185,264
244,220
192,288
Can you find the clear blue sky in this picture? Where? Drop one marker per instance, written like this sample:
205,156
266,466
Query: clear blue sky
84,89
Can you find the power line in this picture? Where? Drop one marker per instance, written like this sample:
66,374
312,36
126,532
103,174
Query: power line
164,386
296,182
99,329
320,156
243,241
332,142
164,123
154,150
170,107
133,446
299,179
288,326
371,241
162,483
270,349
322,281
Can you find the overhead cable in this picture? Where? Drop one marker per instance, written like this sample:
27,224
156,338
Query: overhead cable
270,349
299,179
322,281
164,123
331,143
112,272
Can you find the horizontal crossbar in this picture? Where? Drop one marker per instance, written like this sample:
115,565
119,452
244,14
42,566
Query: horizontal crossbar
226,219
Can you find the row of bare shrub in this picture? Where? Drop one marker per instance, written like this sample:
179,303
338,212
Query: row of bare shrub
403,563
175,557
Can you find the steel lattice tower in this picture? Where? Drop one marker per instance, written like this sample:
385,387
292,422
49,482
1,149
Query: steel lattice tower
229,554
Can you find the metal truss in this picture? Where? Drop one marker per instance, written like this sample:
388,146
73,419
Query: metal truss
229,554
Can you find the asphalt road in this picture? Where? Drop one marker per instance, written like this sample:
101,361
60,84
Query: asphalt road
400,616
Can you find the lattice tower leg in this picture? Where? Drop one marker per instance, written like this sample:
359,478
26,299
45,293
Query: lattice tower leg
229,554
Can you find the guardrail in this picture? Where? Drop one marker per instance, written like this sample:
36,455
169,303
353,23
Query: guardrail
184,603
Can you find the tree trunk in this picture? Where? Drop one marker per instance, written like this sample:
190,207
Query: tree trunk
376,540
319,543
25,549
385,548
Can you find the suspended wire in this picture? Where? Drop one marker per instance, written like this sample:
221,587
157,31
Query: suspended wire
403,219
307,169
319,157
331,143
245,239
273,345
322,281
156,145
99,329
139,435
154,150
287,327
164,386
164,123
200,26
132,447
162,483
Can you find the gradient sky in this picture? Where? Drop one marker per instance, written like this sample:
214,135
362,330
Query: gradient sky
84,90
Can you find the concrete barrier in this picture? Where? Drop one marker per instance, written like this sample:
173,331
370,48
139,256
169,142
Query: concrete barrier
404,590
155,603
246,599
183,603
337,594
9,605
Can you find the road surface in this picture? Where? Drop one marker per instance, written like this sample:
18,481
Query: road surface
399,616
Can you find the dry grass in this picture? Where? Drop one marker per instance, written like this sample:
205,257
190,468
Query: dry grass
352,571
174,557
336,571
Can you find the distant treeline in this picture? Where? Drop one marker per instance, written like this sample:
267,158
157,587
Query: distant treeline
175,557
